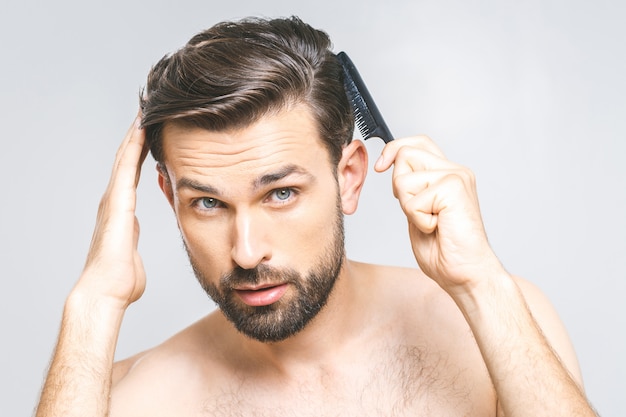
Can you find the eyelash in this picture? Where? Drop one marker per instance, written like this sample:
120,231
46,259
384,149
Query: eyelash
272,195
196,203
292,194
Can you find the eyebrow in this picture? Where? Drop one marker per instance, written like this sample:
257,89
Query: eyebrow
262,181
278,175
195,185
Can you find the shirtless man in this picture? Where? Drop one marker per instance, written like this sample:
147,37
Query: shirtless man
251,128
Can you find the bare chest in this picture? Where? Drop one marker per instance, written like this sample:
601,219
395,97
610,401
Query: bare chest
408,382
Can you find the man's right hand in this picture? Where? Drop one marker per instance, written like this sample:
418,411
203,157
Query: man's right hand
79,379
114,271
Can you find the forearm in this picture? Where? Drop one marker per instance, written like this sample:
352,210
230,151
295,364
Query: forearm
528,376
79,379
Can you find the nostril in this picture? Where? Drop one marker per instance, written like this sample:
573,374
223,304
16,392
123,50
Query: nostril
247,255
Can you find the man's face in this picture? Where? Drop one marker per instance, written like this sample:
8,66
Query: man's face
261,219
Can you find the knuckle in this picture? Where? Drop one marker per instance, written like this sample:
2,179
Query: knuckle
468,175
401,184
455,181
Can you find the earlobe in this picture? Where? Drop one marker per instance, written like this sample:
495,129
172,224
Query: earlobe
165,184
351,173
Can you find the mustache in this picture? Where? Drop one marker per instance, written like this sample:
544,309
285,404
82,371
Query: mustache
260,274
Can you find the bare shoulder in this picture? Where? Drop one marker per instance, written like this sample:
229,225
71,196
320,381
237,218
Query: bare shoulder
428,315
551,325
175,372
389,276
441,311
122,367
430,330
407,288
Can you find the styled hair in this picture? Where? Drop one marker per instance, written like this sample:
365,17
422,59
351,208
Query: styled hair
234,73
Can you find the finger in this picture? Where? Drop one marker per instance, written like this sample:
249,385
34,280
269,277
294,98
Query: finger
127,169
127,139
409,159
390,151
429,194
116,212
142,157
409,184
423,209
422,212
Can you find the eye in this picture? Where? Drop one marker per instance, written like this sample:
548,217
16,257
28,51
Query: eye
283,194
207,203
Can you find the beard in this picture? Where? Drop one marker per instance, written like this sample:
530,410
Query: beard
286,317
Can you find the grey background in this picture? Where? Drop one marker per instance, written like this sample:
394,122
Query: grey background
530,95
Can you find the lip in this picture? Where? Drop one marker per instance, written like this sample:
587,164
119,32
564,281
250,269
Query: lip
261,295
257,287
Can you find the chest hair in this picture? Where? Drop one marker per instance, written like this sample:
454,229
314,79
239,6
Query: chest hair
397,381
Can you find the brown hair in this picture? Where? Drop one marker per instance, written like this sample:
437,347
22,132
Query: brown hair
232,74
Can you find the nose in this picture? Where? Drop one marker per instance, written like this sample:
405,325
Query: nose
250,241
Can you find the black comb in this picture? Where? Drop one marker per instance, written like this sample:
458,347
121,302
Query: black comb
368,119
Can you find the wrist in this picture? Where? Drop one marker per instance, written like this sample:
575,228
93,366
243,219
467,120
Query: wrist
100,313
95,290
493,293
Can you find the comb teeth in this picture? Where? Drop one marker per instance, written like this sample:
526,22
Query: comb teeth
368,119
362,116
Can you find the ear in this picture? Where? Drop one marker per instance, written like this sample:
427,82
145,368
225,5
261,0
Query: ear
165,184
351,173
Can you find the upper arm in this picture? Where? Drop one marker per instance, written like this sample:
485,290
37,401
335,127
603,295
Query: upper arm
552,327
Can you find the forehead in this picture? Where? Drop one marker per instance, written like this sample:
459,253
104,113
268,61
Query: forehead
287,137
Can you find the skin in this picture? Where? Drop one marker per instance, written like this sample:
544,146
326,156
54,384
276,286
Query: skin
459,336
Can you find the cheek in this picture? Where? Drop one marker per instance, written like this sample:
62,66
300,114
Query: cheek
206,243
314,227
